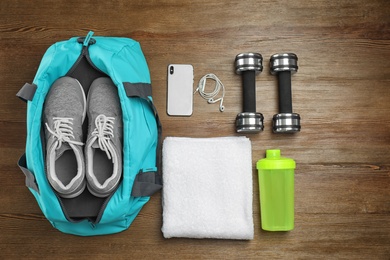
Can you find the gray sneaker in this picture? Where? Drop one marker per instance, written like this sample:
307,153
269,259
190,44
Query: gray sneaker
63,115
103,148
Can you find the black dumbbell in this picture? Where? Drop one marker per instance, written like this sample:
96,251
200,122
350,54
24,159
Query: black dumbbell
285,64
249,65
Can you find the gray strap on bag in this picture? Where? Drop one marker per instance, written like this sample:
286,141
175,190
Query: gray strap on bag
27,92
142,90
30,178
146,184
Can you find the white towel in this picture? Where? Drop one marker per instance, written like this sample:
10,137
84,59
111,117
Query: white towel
207,188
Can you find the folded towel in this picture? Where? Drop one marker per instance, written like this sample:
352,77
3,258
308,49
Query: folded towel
207,188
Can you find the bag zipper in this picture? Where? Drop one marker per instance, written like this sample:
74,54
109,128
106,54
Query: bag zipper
103,208
87,41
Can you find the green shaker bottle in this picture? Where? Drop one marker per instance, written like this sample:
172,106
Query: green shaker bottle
276,183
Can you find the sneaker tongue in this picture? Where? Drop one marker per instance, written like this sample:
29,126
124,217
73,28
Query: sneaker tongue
95,144
64,147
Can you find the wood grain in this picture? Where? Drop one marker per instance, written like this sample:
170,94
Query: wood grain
341,91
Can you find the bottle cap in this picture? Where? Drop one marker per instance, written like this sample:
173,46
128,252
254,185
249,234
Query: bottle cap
274,161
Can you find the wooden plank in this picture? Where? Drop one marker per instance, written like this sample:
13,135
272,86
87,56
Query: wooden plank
341,91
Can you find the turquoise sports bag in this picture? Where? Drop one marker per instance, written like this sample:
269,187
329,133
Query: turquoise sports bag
87,58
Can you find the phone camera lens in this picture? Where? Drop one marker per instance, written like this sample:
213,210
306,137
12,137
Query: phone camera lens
171,70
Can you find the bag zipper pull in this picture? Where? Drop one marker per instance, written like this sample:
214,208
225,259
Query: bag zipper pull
87,39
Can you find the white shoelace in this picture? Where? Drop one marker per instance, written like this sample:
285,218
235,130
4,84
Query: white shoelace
104,131
63,130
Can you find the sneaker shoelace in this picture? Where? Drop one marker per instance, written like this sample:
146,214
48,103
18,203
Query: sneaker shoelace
63,131
104,131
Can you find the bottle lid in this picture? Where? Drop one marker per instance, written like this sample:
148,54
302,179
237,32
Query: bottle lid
274,161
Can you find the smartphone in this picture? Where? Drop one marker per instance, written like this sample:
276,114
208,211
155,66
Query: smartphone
180,89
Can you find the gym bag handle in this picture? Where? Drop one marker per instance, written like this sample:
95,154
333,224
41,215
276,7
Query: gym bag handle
147,182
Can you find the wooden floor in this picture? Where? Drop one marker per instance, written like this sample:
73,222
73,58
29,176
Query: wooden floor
341,91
